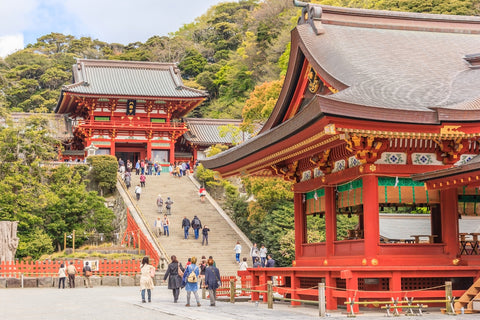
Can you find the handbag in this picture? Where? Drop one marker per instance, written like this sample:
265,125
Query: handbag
152,272
219,283
88,273
179,271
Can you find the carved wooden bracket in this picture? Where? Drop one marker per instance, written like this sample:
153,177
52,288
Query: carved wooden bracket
449,151
366,149
112,104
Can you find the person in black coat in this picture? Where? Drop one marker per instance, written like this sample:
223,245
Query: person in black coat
185,226
212,281
174,278
205,231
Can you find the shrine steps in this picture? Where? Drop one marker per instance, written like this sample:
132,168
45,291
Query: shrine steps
183,191
466,300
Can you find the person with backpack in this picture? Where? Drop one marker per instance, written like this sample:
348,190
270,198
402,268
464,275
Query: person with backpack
87,273
212,281
168,205
205,231
138,191
142,180
196,226
203,267
71,271
166,226
159,204
185,226
190,279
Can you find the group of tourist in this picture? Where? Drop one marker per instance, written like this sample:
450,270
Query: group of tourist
188,277
148,167
69,270
179,169
162,224
168,204
260,258
196,225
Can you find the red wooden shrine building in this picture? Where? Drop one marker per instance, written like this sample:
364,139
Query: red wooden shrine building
128,109
370,99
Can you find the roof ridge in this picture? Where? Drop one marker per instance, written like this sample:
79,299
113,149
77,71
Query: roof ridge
316,15
125,64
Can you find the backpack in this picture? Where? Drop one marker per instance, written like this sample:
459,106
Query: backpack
195,223
192,277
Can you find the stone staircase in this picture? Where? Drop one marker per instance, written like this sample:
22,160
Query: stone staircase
223,234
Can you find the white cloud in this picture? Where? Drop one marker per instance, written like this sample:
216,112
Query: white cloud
121,21
10,44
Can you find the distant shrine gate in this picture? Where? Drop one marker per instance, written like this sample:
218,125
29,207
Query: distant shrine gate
128,109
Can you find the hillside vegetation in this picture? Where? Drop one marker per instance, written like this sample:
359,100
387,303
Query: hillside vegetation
237,51
227,51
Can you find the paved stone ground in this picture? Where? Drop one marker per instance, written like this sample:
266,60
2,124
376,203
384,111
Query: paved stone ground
124,303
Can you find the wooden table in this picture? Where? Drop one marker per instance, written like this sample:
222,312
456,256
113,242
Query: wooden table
469,246
429,236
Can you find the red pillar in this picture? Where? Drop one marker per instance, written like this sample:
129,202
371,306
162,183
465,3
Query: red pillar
371,216
112,148
352,287
295,285
331,301
255,282
263,281
449,212
172,150
149,149
330,221
300,228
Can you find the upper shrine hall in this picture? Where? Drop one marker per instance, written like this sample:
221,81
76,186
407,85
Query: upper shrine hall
132,110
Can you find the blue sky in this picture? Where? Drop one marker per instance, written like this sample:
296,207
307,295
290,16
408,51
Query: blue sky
119,21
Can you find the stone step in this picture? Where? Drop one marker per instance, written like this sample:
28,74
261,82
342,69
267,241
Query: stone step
222,237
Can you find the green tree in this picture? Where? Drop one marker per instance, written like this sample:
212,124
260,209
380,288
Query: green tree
104,172
192,64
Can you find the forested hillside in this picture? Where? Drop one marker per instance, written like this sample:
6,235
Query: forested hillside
228,51
237,51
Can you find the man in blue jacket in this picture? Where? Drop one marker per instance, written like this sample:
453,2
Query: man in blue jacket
212,281
186,226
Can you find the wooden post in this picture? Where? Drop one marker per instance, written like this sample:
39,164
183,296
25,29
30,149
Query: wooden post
232,291
270,294
321,299
73,242
448,296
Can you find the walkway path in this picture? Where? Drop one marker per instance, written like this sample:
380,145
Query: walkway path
124,303
222,238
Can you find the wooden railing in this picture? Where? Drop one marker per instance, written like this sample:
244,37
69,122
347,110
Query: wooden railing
49,268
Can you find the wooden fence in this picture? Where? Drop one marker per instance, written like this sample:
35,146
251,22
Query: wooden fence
48,268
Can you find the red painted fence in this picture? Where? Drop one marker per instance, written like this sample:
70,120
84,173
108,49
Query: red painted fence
48,268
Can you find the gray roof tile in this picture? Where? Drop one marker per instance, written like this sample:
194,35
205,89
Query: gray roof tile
146,79
396,69
207,131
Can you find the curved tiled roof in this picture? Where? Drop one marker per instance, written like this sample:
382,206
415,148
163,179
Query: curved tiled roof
129,78
207,131
393,68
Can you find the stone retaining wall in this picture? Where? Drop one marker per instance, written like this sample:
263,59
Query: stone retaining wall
96,281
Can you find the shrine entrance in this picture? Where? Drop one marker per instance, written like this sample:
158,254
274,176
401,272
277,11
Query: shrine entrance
132,152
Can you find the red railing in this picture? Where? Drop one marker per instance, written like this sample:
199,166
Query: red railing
133,236
127,124
48,268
